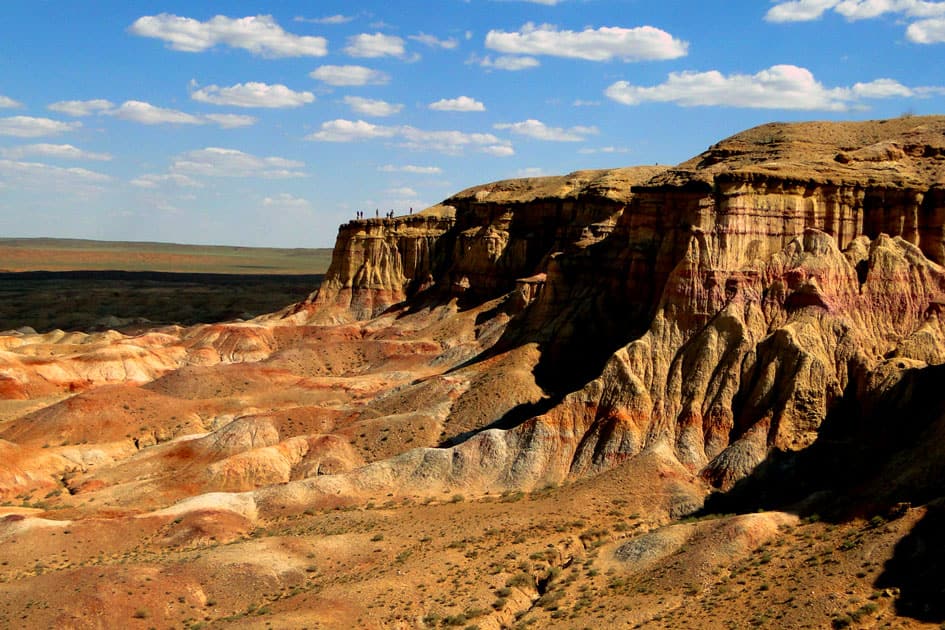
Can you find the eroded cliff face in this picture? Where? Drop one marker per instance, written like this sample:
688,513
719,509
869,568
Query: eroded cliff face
719,309
378,263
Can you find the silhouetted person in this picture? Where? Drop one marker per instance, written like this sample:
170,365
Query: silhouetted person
377,213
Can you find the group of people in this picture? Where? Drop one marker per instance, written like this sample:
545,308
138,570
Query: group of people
377,214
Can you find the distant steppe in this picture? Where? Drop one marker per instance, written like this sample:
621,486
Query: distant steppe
52,254
86,285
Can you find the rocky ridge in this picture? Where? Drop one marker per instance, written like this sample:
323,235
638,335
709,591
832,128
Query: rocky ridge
741,296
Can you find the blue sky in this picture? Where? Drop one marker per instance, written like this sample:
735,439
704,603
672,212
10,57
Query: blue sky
269,123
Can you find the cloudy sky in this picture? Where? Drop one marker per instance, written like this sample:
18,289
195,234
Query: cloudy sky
272,122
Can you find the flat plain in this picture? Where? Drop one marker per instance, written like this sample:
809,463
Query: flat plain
86,285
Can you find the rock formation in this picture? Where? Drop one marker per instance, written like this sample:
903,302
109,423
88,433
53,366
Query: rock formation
738,295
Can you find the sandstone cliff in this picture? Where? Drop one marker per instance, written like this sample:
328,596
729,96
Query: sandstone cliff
724,307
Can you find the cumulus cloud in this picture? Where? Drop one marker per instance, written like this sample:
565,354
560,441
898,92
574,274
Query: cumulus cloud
342,130
511,63
458,104
349,75
152,180
928,27
434,42
799,10
260,35
449,142
375,45
330,19
592,151
402,192
231,121
642,43
8,103
60,151
499,150
372,107
219,162
538,130
285,201
148,114
777,87
931,31
252,94
32,127
806,10
81,108
45,175
412,169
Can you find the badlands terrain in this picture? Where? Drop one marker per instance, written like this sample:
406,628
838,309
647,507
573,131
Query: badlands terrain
707,395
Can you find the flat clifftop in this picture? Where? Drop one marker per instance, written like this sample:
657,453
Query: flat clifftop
907,151
612,184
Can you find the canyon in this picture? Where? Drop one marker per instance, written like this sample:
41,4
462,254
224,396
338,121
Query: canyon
656,396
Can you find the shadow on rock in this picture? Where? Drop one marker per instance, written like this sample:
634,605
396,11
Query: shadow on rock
917,568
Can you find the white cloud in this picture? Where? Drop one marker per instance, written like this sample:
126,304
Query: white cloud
434,42
252,94
7,102
259,34
499,150
231,121
412,169
881,88
928,27
582,103
507,62
454,142
349,75
799,10
531,171
402,192
31,127
376,45
147,114
285,201
931,31
330,19
777,87
806,10
590,151
61,151
217,162
157,180
81,108
342,130
449,142
38,174
458,104
536,129
372,107
603,44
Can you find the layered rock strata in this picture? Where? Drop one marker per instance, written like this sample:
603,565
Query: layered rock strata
738,294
